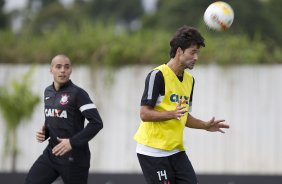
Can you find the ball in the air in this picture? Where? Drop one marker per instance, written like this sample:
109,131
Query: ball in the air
219,16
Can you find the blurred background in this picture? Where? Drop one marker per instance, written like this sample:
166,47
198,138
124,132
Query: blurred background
113,45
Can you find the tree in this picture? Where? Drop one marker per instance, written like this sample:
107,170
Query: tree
46,16
3,17
274,15
258,17
16,105
40,3
173,14
124,11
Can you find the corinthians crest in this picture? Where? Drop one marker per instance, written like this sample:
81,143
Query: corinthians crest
65,99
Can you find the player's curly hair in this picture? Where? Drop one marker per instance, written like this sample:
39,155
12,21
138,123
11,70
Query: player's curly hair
185,37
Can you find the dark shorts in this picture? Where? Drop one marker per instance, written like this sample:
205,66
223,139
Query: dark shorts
174,169
44,171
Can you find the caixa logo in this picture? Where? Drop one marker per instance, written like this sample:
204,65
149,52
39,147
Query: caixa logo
176,98
56,113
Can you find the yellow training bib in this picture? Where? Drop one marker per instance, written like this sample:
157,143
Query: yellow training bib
168,135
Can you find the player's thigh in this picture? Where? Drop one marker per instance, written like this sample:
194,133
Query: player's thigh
41,172
74,174
184,171
156,170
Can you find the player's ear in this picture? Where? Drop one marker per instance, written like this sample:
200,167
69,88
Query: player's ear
179,51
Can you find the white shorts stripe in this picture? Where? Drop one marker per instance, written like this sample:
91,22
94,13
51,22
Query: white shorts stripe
87,106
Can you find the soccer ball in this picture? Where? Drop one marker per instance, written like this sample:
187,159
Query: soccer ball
219,16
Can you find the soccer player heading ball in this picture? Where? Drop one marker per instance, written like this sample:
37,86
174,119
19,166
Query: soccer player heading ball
166,110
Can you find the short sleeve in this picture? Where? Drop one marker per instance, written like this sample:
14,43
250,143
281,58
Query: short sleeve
154,88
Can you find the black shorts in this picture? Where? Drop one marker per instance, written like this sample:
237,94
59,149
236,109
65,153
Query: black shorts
44,171
174,169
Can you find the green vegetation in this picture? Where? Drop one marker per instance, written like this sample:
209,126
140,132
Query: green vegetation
91,34
17,103
106,45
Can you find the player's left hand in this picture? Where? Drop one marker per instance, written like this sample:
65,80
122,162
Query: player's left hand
63,147
216,125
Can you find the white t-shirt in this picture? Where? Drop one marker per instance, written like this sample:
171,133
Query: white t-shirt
154,152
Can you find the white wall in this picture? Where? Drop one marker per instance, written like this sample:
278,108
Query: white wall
248,98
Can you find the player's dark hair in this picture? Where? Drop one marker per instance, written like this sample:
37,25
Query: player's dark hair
185,37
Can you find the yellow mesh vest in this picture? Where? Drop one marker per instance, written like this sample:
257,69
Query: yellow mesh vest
167,135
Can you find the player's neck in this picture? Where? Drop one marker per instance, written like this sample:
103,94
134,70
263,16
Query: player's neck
57,85
175,67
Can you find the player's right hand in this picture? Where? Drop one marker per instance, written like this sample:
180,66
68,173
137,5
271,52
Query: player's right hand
180,110
40,135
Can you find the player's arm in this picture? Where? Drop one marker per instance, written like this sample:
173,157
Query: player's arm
153,92
212,125
193,122
43,133
148,113
94,125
